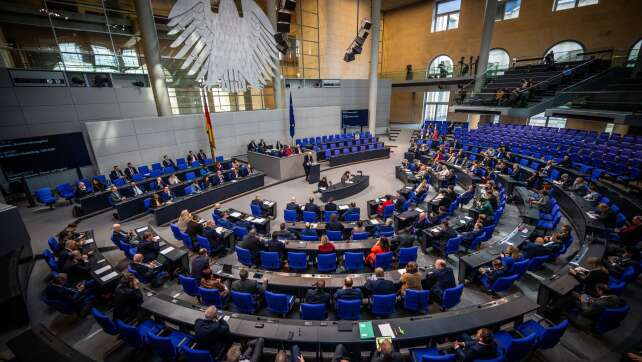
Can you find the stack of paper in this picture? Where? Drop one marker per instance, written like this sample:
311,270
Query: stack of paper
167,250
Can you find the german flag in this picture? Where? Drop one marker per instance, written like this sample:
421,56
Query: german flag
208,124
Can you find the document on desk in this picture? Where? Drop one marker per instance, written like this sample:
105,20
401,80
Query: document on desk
374,222
314,225
259,220
592,215
344,207
269,203
165,251
89,241
419,210
322,188
109,276
235,214
365,330
386,330
219,230
103,269
249,218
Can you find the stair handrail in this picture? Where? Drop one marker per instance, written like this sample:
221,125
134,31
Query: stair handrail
557,76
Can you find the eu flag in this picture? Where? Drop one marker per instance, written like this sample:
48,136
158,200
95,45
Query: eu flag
292,122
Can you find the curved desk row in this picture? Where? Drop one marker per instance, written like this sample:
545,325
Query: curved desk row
170,306
169,212
370,154
342,190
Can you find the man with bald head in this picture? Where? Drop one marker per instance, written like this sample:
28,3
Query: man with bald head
347,292
119,235
213,333
438,280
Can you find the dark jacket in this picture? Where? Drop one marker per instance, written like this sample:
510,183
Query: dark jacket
62,293
199,262
292,206
126,302
330,206
149,249
213,335
532,250
441,279
247,286
348,294
193,228
380,286
380,357
334,226
317,296
252,244
477,351
312,207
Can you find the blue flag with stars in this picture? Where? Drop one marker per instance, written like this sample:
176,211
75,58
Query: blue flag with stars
292,122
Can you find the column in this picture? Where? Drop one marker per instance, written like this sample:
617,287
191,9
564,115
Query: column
277,82
374,66
490,12
152,56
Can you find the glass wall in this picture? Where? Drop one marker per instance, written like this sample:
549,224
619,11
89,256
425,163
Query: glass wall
436,105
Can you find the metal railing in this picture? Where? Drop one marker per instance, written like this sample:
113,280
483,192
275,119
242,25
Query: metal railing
436,72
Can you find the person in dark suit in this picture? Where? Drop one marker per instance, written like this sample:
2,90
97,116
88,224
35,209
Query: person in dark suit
214,238
446,232
59,290
127,298
276,245
81,190
116,173
438,280
606,215
353,209
589,309
307,162
323,184
168,162
148,247
246,285
403,240
213,333
379,285
399,202
317,295
201,156
535,181
490,275
386,353
283,233
166,195
217,179
119,235
77,268
311,206
194,227
115,196
536,248
200,262
347,292
468,236
252,243
481,346
130,171
330,206
617,264
292,205
334,224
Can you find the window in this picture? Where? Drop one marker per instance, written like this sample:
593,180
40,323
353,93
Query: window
436,105
103,57
569,4
566,51
508,9
440,67
446,15
540,120
633,54
609,127
130,58
498,59
496,119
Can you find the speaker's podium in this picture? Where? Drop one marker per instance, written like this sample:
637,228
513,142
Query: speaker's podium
315,173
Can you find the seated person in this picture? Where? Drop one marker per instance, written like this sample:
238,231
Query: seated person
352,209
516,172
292,205
511,256
209,281
536,248
330,206
233,174
59,290
590,308
347,292
606,215
481,346
251,353
156,201
258,201
543,202
566,161
213,333
96,185
196,188
334,224
564,181
594,274
158,184
441,239
631,234
217,179
77,268
385,352
252,243
311,206
325,246
308,231
619,263
148,247
422,222
469,236
323,184
224,221
359,227
168,162
439,279
217,212
378,285
490,275
317,295
283,233
246,285
381,246
119,235
399,202
115,196
194,227
411,279
81,190
127,298
387,201
173,179
591,194
276,245
214,238
167,195
345,177
579,186
146,270
199,263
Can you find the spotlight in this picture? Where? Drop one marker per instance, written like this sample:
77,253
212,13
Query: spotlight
289,5
348,57
281,42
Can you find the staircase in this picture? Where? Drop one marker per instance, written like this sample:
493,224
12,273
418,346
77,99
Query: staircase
393,134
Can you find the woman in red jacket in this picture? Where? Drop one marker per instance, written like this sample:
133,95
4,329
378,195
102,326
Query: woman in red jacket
387,201
381,246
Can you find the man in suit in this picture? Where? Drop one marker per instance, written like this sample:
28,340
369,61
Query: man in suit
276,245
200,262
607,216
490,275
148,247
307,161
167,162
481,346
292,205
399,201
353,209
201,156
194,227
166,195
317,295
137,190
258,201
77,268
214,238
589,309
81,190
334,224
252,243
246,285
130,171
119,235
439,241
283,233
115,196
330,206
311,206
116,173
213,333
468,236
58,290
379,285
127,298
438,280
618,264
537,248
347,292
386,353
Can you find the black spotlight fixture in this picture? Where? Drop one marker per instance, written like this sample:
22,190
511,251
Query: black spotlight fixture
356,47
283,21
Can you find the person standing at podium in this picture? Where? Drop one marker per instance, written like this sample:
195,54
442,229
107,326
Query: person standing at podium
307,162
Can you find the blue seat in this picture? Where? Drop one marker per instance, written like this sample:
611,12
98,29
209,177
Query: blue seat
407,255
452,246
537,262
314,312
45,196
136,336
196,355
327,263
383,305
309,216
147,203
388,211
610,318
146,280
168,346
239,232
515,349
416,300
309,237
54,245
452,297
156,166
328,214
353,261
243,256
383,260
476,242
188,190
349,309
143,170
256,210
118,182
431,355
137,177
298,261
519,268
104,322
51,260
279,303
547,337
351,217
244,302
211,297
290,215
66,191
270,260
361,235
204,242
60,306
187,240
501,284
499,358
190,285
334,235
176,231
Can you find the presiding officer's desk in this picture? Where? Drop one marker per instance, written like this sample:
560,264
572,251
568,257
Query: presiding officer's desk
173,306
280,168
342,190
169,212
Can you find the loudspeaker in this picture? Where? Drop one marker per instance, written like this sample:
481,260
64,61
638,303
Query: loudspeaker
288,5
348,57
283,27
357,49
281,42
366,24
283,16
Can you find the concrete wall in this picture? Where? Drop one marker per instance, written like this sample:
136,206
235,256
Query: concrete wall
145,140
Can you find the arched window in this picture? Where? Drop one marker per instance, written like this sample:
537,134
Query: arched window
566,51
633,54
498,59
441,67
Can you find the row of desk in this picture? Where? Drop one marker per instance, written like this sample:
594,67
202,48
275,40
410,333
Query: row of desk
341,190
359,156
